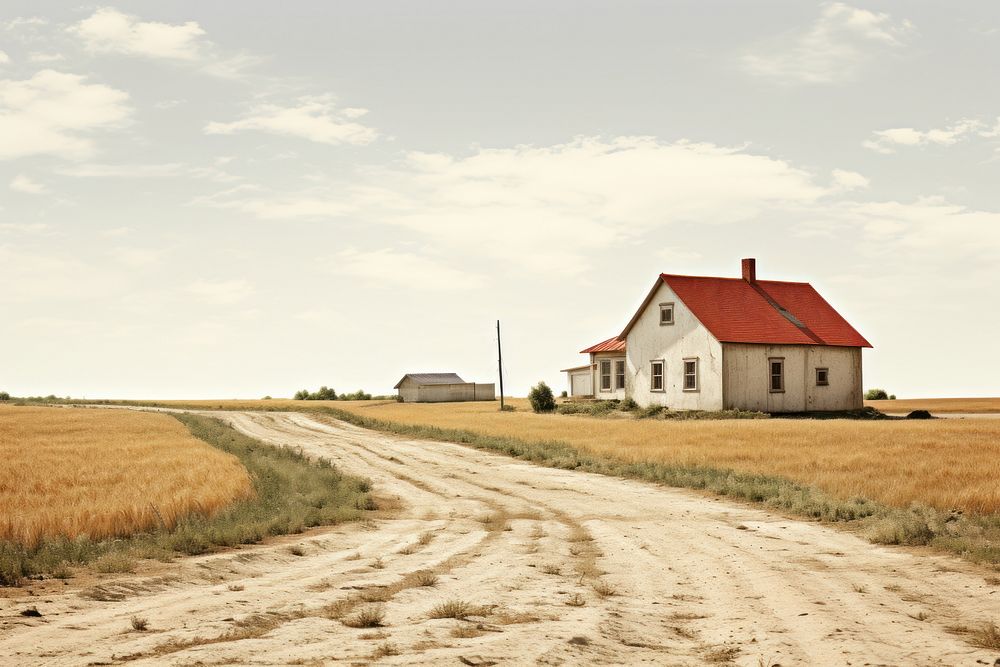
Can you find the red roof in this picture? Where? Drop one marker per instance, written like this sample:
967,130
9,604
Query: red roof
609,345
736,310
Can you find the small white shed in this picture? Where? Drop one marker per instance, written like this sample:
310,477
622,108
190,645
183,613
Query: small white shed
441,388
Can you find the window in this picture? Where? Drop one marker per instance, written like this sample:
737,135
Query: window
822,377
666,314
777,366
619,374
656,375
605,375
691,374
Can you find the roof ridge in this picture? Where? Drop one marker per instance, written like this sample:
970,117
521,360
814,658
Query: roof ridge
684,275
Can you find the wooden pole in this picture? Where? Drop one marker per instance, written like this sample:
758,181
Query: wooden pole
500,364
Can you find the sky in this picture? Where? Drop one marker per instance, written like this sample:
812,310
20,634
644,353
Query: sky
200,202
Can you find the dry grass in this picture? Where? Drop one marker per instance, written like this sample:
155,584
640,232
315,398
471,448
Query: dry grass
106,473
946,464
943,405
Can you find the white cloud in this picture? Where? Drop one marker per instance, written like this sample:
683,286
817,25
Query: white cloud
50,114
108,30
4,58
314,118
39,57
223,292
401,269
22,183
541,207
833,49
887,141
165,170
849,180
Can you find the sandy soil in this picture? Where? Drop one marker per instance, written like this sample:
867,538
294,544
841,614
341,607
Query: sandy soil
695,580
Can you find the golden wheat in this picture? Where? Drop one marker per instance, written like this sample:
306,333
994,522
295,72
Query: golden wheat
942,405
105,473
948,464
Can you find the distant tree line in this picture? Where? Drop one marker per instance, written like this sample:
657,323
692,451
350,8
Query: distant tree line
325,393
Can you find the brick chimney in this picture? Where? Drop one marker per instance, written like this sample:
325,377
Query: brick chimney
750,270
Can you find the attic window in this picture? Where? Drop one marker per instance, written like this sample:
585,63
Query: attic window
666,314
822,377
777,374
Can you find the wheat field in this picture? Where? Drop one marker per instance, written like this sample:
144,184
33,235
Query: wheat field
105,473
939,405
947,464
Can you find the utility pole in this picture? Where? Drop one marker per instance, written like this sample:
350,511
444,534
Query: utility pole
500,364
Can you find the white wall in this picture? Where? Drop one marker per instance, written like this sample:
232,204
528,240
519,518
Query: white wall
445,393
747,377
686,337
611,357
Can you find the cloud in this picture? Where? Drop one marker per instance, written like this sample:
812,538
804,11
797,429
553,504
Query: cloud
165,170
22,183
137,258
108,30
833,49
50,114
223,292
4,58
887,141
40,57
401,269
314,118
849,180
542,207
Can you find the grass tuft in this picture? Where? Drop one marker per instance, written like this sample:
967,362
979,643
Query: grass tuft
459,609
366,617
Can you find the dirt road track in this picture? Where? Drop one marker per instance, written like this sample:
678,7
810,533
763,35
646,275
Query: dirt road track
696,581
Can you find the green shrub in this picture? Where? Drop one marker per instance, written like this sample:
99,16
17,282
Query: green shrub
359,395
876,395
628,405
541,398
564,394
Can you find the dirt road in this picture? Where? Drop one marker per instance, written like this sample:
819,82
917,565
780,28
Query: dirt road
560,567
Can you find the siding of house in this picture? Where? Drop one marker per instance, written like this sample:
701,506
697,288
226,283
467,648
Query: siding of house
746,373
611,357
686,337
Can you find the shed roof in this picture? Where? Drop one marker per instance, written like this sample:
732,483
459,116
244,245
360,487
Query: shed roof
432,378
736,310
613,344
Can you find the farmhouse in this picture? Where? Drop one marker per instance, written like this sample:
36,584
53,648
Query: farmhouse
441,388
701,343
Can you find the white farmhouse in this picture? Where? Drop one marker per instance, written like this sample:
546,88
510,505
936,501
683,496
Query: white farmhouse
701,343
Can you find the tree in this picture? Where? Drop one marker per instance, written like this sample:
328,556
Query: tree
302,395
324,394
4,396
876,395
541,398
